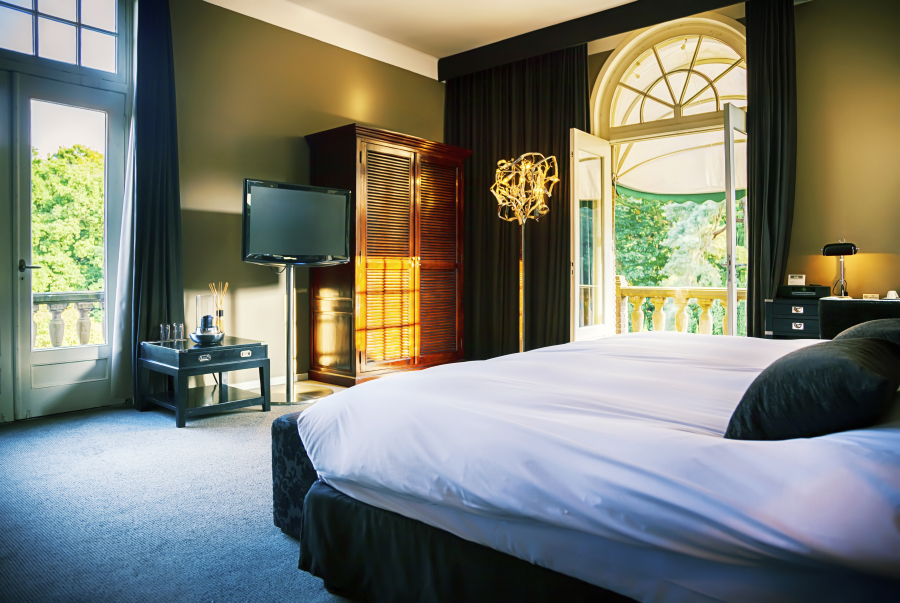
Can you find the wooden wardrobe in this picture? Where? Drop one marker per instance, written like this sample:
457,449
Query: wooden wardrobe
398,306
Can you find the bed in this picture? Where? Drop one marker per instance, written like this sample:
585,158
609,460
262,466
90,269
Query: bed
602,463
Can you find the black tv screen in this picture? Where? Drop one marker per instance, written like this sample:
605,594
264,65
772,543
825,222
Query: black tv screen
295,224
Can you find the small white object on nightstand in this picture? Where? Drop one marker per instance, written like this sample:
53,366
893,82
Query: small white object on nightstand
796,279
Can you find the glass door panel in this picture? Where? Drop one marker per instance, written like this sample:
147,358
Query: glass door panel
69,165
589,267
68,218
593,277
736,241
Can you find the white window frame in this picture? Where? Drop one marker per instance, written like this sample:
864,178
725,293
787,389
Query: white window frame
18,62
711,25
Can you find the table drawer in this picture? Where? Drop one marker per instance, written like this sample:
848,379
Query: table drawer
797,327
790,308
213,355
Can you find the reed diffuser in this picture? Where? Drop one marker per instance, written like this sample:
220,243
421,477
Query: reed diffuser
219,291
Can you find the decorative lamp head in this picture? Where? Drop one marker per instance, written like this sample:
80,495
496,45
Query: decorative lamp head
523,185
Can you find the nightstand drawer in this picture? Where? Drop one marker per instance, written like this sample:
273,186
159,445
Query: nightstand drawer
789,308
797,327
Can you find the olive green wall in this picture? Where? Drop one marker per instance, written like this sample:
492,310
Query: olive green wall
848,157
247,94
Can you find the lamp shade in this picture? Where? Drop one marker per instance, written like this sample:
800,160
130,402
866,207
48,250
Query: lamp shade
835,249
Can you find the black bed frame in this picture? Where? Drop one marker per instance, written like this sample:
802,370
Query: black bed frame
369,554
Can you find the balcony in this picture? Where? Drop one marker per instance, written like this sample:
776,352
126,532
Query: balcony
682,301
68,318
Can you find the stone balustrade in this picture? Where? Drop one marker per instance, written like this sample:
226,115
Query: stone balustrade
682,298
56,303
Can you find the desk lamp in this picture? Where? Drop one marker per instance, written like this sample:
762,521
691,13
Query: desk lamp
840,249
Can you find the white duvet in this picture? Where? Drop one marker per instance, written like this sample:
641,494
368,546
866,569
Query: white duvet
616,444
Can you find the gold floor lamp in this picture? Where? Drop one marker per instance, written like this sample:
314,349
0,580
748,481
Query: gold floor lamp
522,187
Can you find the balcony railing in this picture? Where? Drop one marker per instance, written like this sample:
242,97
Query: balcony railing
56,304
683,298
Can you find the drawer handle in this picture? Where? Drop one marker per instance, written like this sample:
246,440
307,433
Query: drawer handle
246,353
797,309
205,357
798,326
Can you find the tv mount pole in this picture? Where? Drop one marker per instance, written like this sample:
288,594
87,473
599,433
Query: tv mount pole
291,368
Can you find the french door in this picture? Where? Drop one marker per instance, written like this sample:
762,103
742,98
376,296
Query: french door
735,126
66,153
593,261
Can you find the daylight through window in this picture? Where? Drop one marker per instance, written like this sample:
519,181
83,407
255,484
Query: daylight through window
78,32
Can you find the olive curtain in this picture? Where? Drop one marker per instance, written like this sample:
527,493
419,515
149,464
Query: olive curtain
501,113
771,150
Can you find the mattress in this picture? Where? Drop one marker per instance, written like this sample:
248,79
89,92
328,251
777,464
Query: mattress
604,461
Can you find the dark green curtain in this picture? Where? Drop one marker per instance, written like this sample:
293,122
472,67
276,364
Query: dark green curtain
772,149
157,280
501,113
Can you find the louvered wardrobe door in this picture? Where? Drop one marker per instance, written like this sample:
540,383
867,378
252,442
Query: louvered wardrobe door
439,275
385,286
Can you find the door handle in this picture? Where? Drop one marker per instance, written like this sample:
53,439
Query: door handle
23,266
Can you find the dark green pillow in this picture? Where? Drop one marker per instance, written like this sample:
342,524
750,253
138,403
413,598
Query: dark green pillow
883,328
824,388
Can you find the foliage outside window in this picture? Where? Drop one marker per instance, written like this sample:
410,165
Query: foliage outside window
67,231
664,243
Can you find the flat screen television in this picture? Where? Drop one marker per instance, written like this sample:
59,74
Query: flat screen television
295,224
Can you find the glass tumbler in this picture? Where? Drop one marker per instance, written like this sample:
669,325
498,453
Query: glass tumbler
165,332
178,331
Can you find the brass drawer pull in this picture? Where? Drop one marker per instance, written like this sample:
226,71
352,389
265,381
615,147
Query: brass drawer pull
798,326
205,358
246,353
797,309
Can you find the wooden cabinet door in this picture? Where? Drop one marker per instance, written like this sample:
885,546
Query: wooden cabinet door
385,276
438,252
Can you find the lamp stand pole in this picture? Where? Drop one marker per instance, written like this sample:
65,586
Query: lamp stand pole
522,291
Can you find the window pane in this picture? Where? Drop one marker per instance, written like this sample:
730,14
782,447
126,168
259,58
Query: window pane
22,3
98,50
67,224
64,9
99,13
16,31
56,41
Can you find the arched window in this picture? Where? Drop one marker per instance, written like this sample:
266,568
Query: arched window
670,79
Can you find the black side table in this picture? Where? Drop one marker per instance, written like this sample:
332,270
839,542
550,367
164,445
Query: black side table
183,359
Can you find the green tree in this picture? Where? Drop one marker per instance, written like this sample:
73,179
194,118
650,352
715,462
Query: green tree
641,228
67,220
67,229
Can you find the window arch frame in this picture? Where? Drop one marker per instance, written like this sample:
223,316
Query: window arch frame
708,25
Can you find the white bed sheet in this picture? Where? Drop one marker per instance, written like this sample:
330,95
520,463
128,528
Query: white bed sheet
591,458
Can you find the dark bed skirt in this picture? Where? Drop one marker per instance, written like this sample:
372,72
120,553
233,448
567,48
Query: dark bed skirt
370,554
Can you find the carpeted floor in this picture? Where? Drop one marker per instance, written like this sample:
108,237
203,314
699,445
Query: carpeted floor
116,505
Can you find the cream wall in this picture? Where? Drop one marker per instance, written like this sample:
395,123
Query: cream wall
848,157
247,93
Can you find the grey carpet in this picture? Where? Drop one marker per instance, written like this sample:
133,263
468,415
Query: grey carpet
115,505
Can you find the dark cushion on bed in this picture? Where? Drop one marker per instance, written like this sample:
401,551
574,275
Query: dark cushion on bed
884,328
821,389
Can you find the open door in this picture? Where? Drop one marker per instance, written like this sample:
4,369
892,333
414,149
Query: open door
735,128
593,286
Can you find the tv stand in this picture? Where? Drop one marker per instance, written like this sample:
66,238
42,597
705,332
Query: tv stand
292,393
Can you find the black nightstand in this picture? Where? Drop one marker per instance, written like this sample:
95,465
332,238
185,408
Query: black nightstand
792,318
183,359
838,314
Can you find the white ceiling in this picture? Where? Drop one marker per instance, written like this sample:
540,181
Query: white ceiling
441,27
414,34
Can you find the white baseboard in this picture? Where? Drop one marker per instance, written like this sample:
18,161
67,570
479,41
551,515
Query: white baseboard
273,381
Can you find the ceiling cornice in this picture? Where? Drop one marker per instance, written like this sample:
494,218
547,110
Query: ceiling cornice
296,18
610,22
